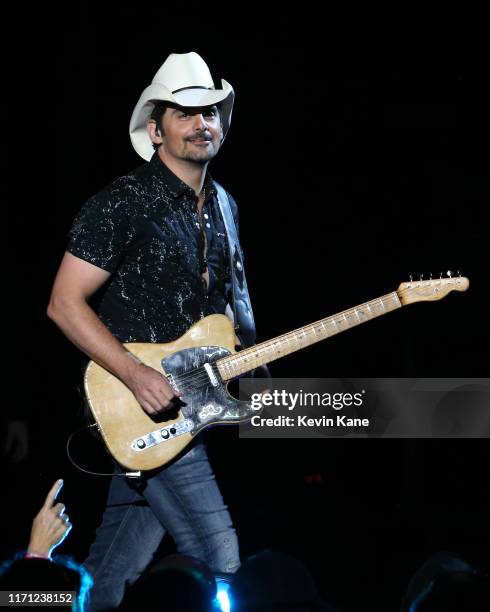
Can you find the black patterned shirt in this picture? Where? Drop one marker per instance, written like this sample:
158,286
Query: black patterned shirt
145,229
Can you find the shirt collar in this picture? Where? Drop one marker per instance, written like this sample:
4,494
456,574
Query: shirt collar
176,186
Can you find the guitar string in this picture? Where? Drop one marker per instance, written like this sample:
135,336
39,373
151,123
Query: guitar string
200,377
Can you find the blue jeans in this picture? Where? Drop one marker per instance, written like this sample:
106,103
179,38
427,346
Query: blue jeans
182,499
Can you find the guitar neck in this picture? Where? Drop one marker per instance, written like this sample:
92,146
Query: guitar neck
234,365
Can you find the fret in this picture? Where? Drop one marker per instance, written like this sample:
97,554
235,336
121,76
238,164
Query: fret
229,368
244,361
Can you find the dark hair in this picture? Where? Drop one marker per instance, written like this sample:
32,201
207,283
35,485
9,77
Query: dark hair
156,116
188,584
61,574
446,582
275,581
455,592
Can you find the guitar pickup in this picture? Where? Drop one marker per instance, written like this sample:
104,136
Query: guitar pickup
213,379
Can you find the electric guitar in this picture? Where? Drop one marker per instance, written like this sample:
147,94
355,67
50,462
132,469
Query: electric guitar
200,363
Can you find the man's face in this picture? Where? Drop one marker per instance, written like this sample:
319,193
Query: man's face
192,134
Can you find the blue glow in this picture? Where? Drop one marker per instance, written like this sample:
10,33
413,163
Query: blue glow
223,601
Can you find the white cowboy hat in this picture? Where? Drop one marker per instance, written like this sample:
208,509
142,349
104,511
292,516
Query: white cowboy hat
183,79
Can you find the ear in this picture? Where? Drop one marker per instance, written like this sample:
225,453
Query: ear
155,136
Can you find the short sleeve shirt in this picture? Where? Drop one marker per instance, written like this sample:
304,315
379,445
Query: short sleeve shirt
145,229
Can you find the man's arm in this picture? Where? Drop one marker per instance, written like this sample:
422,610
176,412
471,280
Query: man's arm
76,281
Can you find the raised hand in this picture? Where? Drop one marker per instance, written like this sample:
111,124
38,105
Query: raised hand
50,526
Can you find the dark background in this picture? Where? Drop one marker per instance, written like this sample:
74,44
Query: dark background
357,156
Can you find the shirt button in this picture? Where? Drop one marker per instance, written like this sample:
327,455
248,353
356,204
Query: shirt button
206,216
207,225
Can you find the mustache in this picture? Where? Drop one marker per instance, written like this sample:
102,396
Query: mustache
200,136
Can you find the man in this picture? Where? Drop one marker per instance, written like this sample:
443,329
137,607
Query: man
157,240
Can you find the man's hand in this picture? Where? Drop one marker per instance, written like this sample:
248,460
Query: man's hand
151,389
50,526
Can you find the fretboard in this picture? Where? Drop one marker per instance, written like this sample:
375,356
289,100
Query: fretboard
234,365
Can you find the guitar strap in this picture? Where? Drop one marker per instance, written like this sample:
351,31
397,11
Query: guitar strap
242,307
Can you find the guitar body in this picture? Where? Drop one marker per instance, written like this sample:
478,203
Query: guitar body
140,442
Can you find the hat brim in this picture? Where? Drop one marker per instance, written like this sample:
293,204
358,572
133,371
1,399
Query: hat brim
194,97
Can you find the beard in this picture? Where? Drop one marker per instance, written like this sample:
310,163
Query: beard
201,156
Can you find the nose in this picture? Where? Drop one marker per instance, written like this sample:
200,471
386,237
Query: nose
200,123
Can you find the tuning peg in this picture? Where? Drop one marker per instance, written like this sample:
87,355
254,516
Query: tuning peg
449,273
410,276
421,277
441,274
430,275
459,273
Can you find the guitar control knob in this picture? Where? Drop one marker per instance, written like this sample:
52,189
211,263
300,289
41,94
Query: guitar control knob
140,443
164,433
173,431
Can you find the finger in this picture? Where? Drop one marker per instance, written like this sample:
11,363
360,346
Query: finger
148,408
158,399
155,403
168,386
167,404
62,527
62,523
163,397
61,534
55,489
171,391
59,509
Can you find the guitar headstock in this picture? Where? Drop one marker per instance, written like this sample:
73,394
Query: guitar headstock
430,289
